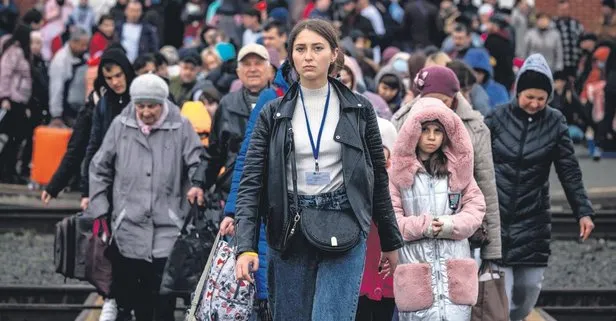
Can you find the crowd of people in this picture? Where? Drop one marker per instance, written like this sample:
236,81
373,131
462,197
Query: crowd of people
426,129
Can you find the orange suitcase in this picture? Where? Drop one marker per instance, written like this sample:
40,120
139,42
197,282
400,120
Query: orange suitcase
49,146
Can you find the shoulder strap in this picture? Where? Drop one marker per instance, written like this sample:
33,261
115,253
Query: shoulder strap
297,216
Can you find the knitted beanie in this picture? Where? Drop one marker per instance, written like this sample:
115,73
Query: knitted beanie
149,88
437,79
535,80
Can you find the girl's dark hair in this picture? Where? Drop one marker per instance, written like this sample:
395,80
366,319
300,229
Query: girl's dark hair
436,165
390,81
321,27
105,17
21,35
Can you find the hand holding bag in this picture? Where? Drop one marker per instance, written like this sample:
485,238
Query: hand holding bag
219,295
98,266
492,303
189,254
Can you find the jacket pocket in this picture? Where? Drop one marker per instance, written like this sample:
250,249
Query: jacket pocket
413,287
463,281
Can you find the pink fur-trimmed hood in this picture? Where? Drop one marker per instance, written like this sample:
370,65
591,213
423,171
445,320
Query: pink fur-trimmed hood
459,150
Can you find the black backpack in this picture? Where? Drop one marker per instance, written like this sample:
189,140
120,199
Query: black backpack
70,246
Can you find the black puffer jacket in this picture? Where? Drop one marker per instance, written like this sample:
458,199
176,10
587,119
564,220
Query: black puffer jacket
264,182
524,147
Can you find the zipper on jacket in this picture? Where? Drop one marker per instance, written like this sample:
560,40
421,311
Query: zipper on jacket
437,262
289,229
514,199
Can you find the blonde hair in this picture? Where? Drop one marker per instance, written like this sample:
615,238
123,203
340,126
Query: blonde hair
437,59
209,52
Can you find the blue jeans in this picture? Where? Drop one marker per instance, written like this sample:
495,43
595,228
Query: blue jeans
308,284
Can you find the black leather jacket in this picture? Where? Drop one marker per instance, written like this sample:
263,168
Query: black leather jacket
263,188
524,147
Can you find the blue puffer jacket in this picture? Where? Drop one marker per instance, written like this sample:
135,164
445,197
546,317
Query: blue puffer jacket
479,58
266,96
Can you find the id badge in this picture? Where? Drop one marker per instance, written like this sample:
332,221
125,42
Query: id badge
317,178
454,200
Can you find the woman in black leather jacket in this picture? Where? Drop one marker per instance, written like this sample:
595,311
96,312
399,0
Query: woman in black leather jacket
340,167
527,137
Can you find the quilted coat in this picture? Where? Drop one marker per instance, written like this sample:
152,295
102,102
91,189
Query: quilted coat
15,77
483,166
436,278
524,147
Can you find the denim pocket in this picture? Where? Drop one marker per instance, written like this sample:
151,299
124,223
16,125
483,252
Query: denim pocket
413,287
463,281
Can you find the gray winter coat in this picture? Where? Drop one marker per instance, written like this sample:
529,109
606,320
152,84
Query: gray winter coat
149,177
483,167
548,44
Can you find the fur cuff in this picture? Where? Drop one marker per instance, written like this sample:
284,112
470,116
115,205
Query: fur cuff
447,232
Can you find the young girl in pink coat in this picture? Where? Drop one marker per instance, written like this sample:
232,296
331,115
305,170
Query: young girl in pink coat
438,206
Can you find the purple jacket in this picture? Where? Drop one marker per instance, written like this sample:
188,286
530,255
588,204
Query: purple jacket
15,77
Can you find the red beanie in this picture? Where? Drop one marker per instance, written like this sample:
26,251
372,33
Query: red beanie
437,79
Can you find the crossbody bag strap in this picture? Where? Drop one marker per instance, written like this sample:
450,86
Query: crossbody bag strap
294,178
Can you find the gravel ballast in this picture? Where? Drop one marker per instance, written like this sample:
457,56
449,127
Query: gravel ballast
27,258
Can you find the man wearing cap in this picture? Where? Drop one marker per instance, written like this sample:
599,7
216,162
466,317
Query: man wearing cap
232,116
146,160
184,84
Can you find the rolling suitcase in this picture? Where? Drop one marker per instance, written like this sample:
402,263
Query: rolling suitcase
49,146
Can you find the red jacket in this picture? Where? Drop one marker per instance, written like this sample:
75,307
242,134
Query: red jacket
373,285
98,44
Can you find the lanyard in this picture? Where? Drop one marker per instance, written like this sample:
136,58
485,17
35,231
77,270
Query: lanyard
315,149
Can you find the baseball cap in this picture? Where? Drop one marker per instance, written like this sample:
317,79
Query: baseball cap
253,48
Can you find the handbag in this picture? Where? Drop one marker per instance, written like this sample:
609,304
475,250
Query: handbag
219,296
333,231
189,253
71,245
98,265
492,302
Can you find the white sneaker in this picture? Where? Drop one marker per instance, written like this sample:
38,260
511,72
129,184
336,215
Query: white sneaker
109,311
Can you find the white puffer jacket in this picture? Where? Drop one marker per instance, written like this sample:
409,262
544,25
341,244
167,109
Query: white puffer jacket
436,278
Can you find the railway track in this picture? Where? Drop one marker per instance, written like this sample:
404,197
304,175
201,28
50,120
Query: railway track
43,220
52,303
66,302
43,303
590,304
